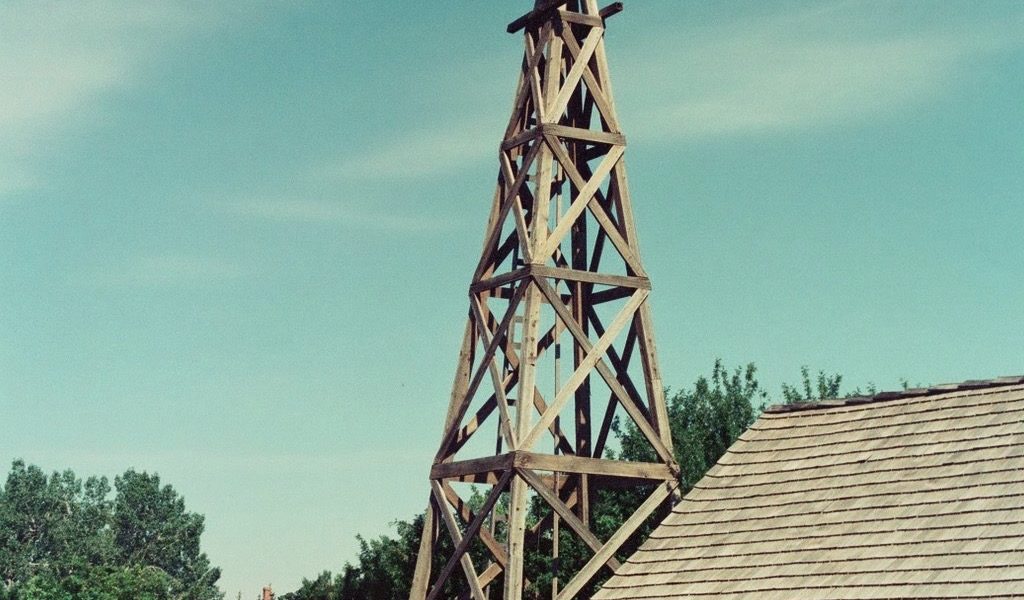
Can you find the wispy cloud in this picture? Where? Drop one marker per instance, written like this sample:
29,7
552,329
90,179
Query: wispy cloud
829,65
421,153
58,60
313,211
167,270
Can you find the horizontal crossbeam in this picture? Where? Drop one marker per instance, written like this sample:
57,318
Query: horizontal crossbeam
553,463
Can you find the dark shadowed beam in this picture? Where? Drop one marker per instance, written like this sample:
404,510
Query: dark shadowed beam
544,11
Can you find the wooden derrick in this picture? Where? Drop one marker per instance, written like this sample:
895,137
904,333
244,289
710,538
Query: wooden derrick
560,270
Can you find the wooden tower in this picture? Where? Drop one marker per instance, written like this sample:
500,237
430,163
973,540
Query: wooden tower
558,340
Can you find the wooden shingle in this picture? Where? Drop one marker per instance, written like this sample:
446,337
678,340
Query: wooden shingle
915,494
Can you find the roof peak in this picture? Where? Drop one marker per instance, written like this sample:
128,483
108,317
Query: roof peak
935,390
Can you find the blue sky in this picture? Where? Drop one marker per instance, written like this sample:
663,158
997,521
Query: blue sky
235,240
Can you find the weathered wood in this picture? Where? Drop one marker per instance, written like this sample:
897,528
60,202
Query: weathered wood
575,17
469,392
514,573
469,535
655,387
596,466
607,226
590,277
611,10
421,574
580,203
467,515
511,191
521,138
566,513
538,399
621,363
458,404
587,135
489,574
572,79
456,535
609,415
604,105
611,295
618,538
594,354
536,87
531,59
560,216
507,429
602,368
518,214
473,466
539,13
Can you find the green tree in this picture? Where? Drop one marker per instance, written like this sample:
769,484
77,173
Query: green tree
54,525
61,538
823,388
152,528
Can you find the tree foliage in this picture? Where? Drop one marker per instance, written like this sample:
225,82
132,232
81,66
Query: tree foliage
823,388
64,538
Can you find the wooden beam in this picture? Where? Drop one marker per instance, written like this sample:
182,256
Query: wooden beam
500,399
544,11
596,466
611,10
421,574
609,228
579,204
456,535
575,74
621,364
510,191
467,515
625,281
642,424
563,120
589,135
594,354
469,535
489,574
610,295
473,466
655,386
606,423
604,104
527,135
457,405
580,19
514,570
566,513
601,557
470,391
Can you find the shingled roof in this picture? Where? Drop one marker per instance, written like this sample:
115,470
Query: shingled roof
912,494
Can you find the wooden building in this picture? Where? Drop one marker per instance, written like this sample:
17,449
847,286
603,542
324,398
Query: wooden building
912,494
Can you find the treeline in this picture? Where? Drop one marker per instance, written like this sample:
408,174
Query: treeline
705,419
62,538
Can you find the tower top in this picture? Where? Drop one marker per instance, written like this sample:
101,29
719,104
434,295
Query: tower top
544,9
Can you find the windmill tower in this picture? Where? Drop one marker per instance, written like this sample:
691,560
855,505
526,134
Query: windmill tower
558,340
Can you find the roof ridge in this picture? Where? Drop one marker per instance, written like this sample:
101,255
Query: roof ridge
935,390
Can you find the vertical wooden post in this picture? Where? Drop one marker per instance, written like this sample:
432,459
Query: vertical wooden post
421,576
